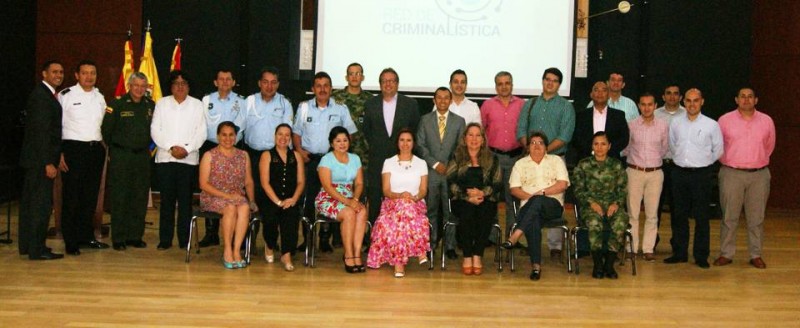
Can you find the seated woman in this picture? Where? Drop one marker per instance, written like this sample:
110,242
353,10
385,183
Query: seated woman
401,230
342,181
228,189
601,188
475,182
283,180
539,181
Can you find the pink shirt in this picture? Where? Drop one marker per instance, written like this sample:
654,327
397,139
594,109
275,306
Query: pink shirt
649,142
500,122
747,143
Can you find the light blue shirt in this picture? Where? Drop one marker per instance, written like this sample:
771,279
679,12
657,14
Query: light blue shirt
219,110
625,104
663,114
695,143
341,173
262,119
313,124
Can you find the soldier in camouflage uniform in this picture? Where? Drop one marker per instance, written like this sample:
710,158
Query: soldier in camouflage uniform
126,131
601,189
354,97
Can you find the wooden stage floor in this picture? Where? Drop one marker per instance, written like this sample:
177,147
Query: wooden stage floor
146,287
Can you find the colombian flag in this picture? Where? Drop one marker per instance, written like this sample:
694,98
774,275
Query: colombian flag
148,67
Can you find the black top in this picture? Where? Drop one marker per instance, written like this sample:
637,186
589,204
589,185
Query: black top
472,179
283,175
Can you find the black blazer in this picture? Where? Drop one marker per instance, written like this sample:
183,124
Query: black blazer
381,144
42,142
616,128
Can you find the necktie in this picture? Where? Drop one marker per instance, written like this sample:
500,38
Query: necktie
441,127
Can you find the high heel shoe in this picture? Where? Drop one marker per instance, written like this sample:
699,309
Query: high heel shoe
467,270
423,260
269,256
477,271
359,267
229,265
349,268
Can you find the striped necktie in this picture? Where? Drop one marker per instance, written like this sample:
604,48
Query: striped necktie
441,127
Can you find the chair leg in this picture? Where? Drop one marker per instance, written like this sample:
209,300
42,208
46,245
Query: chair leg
310,244
566,247
430,259
192,229
629,242
574,241
254,223
498,251
304,222
444,233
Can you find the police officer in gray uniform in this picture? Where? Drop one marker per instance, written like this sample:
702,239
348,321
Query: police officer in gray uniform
222,105
126,131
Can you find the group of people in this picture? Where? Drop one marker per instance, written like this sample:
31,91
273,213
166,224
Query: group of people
354,157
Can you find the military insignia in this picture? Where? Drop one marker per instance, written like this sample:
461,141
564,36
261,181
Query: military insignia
109,110
309,119
127,100
339,101
126,114
65,91
210,106
361,119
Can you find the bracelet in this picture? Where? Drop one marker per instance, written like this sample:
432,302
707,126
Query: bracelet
280,203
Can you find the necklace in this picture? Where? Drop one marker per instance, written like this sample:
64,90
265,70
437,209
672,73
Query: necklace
407,166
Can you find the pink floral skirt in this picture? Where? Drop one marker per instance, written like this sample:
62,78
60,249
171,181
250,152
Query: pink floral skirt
401,231
329,207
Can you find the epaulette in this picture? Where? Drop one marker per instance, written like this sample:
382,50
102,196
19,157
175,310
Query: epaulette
65,91
241,96
338,101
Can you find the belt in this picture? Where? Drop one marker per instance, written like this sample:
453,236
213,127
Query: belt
132,150
691,169
746,170
83,143
645,169
512,153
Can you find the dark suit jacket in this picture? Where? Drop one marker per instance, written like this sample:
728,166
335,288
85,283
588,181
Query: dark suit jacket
429,146
42,142
381,144
616,128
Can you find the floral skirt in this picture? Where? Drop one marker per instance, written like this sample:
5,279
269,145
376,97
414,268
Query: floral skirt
401,231
329,207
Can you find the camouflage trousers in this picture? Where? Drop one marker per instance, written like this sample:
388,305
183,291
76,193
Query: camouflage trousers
617,224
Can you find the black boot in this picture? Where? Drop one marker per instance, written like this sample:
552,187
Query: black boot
611,258
597,270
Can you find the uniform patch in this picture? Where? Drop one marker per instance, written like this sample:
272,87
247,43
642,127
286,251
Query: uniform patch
126,114
309,119
109,110
65,91
210,106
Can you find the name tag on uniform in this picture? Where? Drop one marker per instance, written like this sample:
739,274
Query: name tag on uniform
334,118
126,114
361,119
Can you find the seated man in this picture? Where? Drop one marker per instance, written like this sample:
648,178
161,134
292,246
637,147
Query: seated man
539,181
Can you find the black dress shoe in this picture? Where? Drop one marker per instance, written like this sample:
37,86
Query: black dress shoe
675,259
507,245
536,274
136,243
451,254
119,246
301,247
93,244
163,246
209,240
325,247
25,252
73,251
703,264
46,256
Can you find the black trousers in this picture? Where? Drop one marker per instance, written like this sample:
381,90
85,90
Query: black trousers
532,217
474,225
284,222
691,191
35,206
81,185
176,181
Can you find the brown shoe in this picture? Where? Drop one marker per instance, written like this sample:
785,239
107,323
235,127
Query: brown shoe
720,261
758,263
649,257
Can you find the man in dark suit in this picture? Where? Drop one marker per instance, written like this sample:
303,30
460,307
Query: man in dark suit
600,117
437,137
41,152
384,117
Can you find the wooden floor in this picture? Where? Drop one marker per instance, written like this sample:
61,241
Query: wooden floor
146,287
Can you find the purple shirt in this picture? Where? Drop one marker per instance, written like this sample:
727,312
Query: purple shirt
500,122
747,143
649,142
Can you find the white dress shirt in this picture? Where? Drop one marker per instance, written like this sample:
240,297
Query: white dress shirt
83,113
181,125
